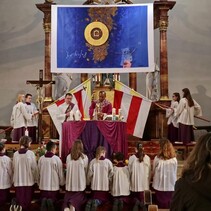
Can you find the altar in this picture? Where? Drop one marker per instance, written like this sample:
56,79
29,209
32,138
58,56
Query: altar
110,134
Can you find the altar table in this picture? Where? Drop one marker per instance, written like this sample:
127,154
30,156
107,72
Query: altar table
110,134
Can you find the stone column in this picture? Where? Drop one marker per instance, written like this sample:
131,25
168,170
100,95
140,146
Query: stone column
48,128
161,12
46,9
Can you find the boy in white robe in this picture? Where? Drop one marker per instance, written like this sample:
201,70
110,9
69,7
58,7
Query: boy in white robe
25,173
6,174
51,175
33,122
140,175
120,189
99,175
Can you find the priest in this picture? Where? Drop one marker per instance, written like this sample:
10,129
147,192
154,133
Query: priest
100,107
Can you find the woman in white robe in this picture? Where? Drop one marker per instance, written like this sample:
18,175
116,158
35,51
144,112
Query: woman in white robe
77,165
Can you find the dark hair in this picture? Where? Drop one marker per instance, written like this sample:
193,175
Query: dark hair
68,94
187,95
1,147
177,95
199,160
140,154
77,150
25,141
119,156
102,92
50,145
28,95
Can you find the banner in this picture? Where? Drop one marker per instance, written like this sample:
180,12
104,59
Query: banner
134,108
102,38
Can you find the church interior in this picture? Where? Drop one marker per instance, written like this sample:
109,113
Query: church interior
182,56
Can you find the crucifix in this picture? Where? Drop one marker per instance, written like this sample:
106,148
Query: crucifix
39,85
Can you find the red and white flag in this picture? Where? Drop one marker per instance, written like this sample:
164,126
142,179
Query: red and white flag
81,97
134,109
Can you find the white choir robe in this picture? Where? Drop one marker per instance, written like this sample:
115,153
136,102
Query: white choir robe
31,109
140,173
25,169
165,174
19,116
100,174
51,175
170,114
185,113
61,112
76,173
6,172
121,181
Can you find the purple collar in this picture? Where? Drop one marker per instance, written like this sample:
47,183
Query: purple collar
28,103
102,158
120,164
22,150
2,154
49,154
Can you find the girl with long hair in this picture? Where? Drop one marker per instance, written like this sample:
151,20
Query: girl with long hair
77,164
164,174
185,112
192,190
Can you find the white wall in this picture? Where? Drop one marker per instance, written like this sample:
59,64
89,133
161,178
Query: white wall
22,51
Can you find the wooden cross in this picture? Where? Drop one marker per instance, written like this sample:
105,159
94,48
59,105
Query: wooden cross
39,84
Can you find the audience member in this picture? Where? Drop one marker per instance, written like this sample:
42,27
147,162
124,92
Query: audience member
192,190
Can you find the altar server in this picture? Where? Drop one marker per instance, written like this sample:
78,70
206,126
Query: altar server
99,175
19,118
140,174
186,110
33,122
77,165
172,119
120,189
165,174
6,174
25,173
51,175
